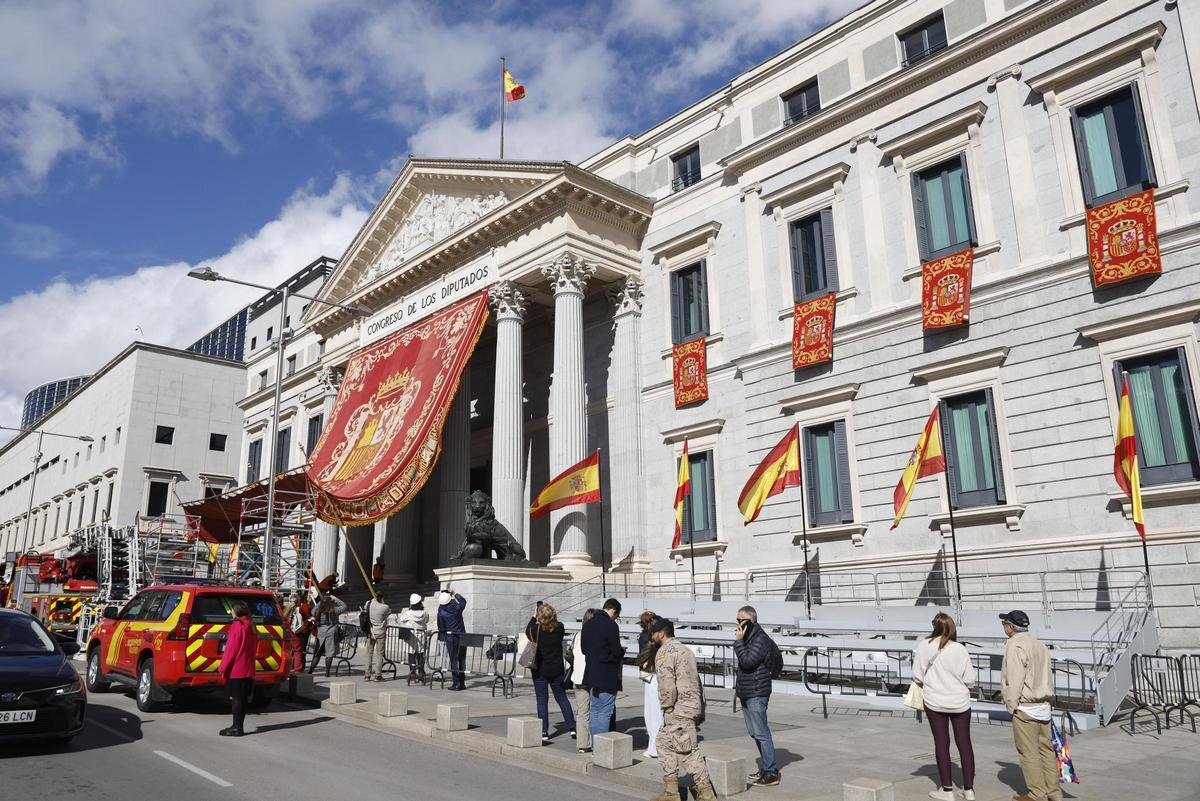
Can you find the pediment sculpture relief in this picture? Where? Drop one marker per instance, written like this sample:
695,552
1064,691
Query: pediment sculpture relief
432,219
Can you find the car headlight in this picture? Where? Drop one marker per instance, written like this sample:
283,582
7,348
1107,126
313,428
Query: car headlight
74,688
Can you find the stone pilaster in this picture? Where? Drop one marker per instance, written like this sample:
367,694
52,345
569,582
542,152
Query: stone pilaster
325,535
624,462
508,417
568,276
455,464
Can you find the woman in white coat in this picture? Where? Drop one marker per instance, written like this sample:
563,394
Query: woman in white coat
942,668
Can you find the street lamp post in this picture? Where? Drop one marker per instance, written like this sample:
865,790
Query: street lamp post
37,459
208,274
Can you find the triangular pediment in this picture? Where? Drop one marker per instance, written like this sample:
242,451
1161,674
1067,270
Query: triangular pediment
428,203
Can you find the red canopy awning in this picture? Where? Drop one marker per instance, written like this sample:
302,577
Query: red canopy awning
384,434
218,518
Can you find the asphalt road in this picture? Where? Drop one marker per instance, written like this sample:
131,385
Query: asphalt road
293,754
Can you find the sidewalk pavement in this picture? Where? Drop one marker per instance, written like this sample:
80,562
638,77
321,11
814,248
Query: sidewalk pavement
816,756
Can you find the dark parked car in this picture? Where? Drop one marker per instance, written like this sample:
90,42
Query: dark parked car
41,694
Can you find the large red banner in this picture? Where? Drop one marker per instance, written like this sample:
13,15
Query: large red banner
946,290
689,363
1123,239
812,331
384,434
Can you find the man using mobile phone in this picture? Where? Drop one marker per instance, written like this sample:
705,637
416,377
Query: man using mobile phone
758,659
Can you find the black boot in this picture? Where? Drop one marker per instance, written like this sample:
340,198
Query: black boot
230,732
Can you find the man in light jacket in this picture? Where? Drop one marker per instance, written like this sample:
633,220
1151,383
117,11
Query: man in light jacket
378,612
1027,687
755,652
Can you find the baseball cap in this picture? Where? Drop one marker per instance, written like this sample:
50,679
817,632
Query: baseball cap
1017,618
444,598
415,598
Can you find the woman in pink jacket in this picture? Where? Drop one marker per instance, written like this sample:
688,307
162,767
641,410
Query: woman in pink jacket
237,665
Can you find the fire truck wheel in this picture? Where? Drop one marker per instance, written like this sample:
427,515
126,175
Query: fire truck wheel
147,687
95,675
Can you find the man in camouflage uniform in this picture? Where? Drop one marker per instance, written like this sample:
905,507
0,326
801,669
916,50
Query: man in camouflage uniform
682,701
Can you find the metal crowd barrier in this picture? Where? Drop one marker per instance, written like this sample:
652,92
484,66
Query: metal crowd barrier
401,646
486,655
1189,666
345,647
1159,685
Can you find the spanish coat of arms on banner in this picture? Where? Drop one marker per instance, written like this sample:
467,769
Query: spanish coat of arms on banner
690,372
812,331
1123,239
946,290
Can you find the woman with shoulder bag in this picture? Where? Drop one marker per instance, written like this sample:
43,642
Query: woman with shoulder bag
548,670
943,671
651,709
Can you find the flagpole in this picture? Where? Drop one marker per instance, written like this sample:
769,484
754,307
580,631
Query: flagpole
804,540
1145,548
502,108
603,547
950,508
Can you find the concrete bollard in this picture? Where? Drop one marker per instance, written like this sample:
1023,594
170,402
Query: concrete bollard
393,704
343,692
524,732
728,775
452,717
868,790
612,750
300,684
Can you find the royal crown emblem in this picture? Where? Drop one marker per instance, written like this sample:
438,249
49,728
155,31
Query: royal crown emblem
1123,238
814,330
949,291
393,384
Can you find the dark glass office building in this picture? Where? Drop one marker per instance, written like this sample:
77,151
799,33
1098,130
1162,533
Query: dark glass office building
41,400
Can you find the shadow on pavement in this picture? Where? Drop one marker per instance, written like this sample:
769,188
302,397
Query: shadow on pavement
103,727
295,724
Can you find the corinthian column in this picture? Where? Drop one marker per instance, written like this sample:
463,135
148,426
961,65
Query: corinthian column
508,431
568,276
325,535
625,429
455,472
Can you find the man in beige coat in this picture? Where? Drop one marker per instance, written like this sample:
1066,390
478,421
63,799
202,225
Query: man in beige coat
1027,687
682,701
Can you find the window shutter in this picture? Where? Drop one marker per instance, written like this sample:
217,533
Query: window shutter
829,251
797,269
702,283
918,196
1190,396
810,476
1145,141
676,309
962,159
947,426
845,502
994,438
1081,156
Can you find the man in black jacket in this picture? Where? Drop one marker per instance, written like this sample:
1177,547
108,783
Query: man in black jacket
600,641
755,653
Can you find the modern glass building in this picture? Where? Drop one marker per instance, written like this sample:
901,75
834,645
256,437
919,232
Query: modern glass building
226,341
41,400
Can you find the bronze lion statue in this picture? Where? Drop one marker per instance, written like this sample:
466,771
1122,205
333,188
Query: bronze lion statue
484,534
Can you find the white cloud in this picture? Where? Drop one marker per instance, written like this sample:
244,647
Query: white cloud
70,329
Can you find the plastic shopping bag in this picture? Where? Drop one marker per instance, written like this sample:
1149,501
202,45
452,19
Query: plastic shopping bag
1066,768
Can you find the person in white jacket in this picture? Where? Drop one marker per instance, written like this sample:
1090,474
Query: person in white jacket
942,667
583,695
416,620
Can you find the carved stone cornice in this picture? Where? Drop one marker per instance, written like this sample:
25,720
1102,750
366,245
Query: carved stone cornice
627,297
508,301
568,274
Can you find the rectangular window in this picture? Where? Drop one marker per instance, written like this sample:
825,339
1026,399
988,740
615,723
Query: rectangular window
799,104
1164,416
95,503
262,380
685,168
321,348
923,41
103,442
942,206
814,257
156,502
827,474
253,343
1111,145
291,365
216,442
82,506
212,492
117,436
88,458
972,450
287,321
164,435
315,424
270,333
283,441
108,503
254,460
700,507
689,303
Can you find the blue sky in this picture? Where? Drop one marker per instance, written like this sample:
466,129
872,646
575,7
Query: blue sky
139,139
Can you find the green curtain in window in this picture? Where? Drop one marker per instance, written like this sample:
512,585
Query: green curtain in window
1100,153
983,431
939,229
964,447
1177,412
698,503
1145,418
826,469
958,200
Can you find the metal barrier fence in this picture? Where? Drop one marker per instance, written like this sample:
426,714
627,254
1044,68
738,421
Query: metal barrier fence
405,647
487,655
1159,686
345,648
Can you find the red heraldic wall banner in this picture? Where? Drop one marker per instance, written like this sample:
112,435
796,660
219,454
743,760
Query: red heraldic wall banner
690,363
385,431
946,290
812,331
1123,239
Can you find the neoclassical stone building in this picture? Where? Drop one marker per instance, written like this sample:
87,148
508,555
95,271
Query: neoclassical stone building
906,131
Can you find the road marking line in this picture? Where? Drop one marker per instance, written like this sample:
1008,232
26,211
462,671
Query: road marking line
217,780
110,729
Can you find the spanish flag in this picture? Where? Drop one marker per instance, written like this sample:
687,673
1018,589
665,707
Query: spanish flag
777,472
1125,461
927,459
683,488
575,485
513,91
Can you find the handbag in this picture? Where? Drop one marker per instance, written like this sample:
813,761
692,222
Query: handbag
529,653
915,697
1066,768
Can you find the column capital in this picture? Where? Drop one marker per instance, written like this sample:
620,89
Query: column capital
627,296
508,301
1013,71
568,274
330,378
